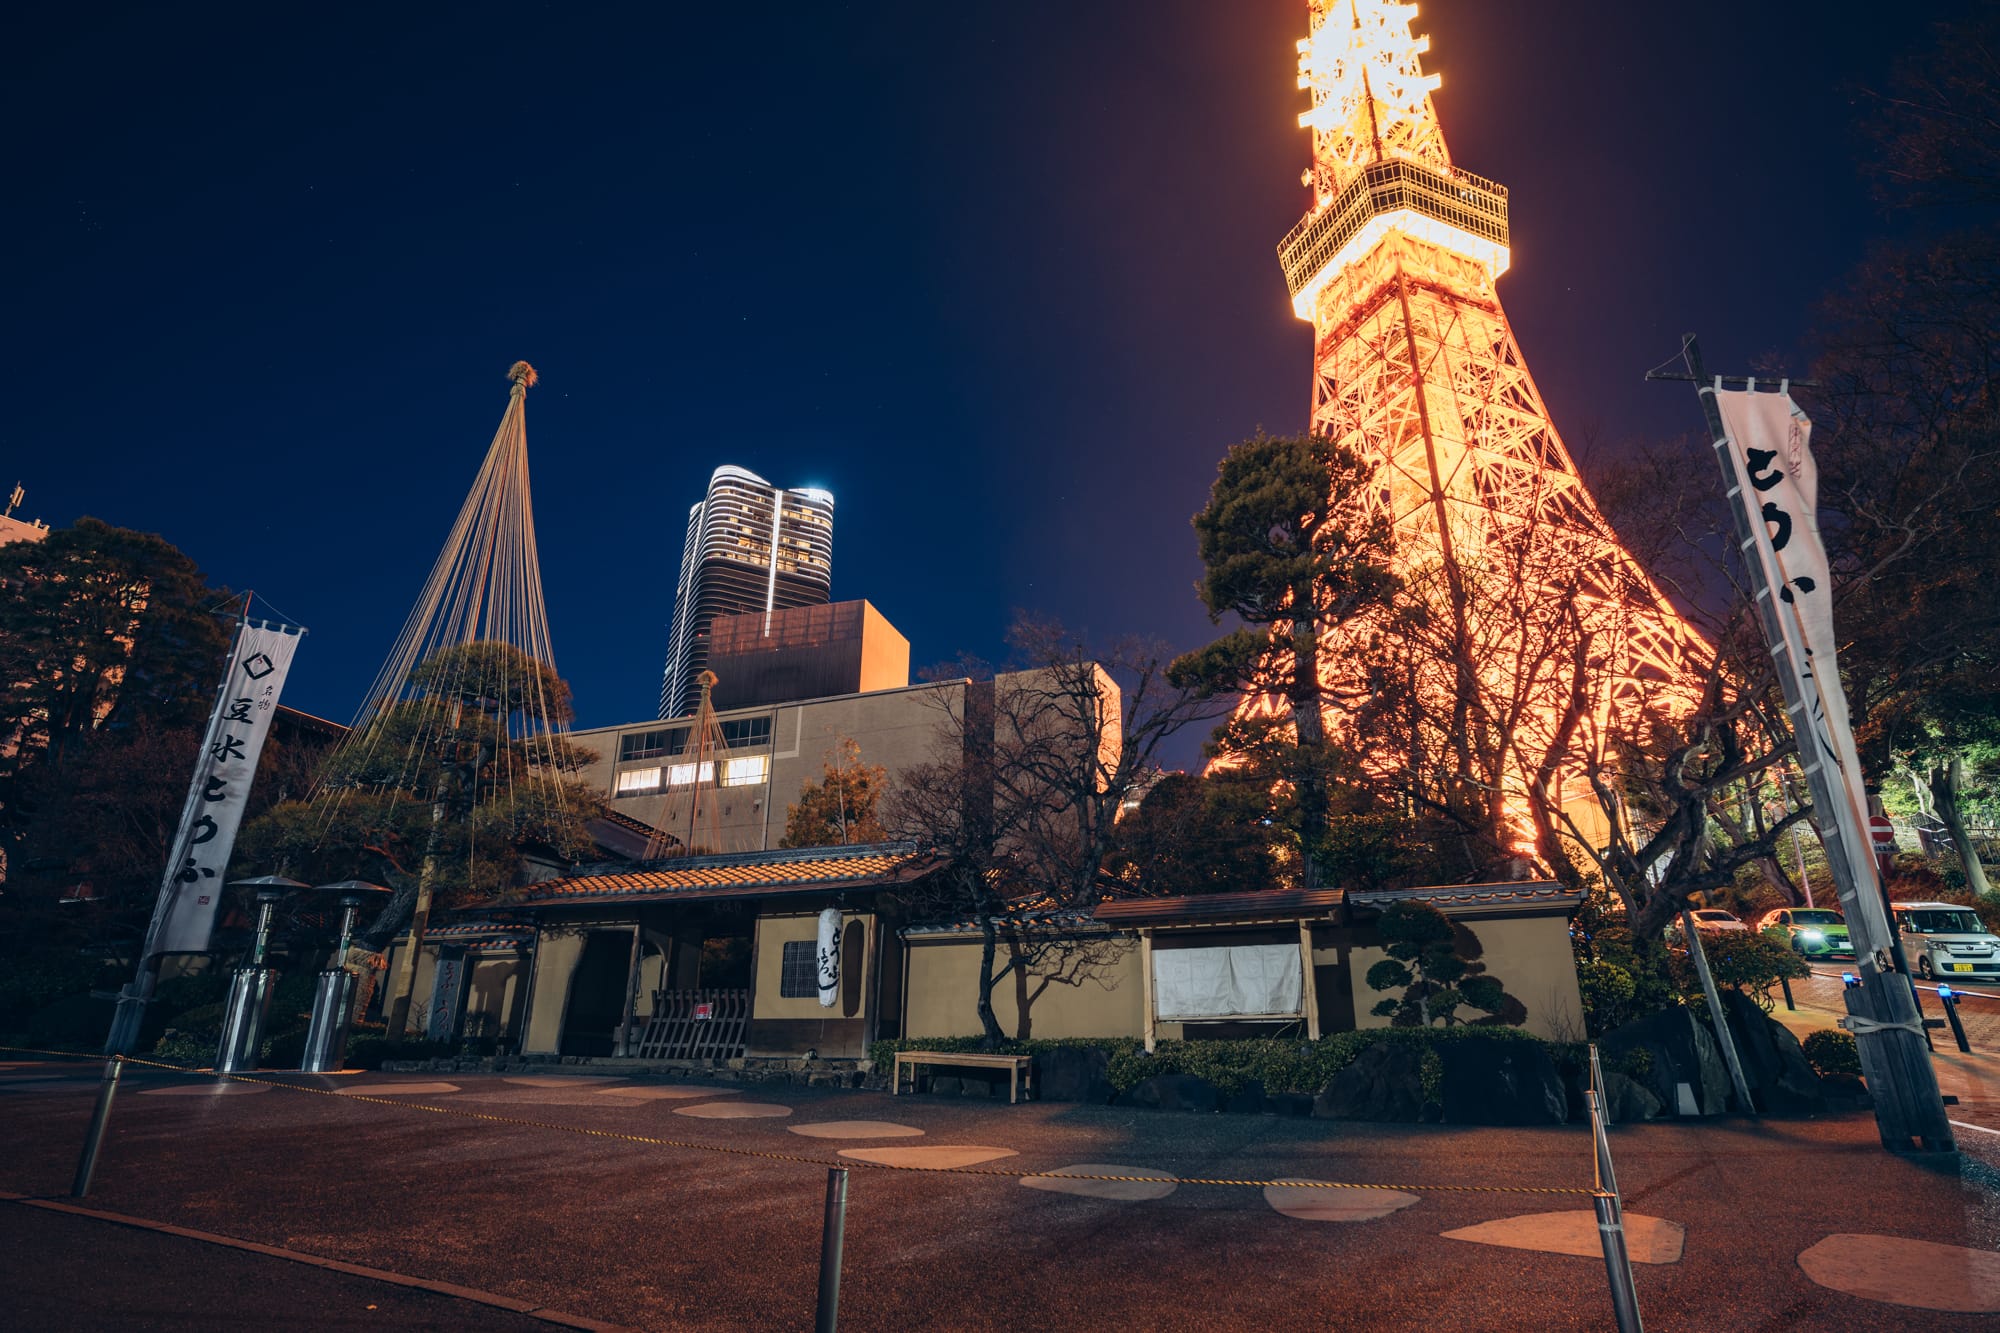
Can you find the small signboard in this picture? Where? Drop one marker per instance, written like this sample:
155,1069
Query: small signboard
1881,831
704,1012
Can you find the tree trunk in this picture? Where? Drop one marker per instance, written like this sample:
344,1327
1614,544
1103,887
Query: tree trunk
989,940
1310,725
1947,780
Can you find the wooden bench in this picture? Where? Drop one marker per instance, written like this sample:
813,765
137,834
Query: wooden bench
1020,1068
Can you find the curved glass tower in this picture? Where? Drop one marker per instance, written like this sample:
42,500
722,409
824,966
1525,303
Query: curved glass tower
751,546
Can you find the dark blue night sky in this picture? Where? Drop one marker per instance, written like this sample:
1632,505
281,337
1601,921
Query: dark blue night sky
1001,276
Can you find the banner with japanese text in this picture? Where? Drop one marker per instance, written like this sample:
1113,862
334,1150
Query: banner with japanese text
191,890
1770,450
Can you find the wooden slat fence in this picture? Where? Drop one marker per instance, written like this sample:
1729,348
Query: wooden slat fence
674,1033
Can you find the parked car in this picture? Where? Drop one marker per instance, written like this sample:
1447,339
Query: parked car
1815,932
1944,940
1707,918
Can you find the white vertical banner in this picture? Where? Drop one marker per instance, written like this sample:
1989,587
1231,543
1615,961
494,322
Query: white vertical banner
1770,452
191,889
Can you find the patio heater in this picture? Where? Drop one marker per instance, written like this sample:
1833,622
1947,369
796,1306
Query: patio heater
333,994
250,987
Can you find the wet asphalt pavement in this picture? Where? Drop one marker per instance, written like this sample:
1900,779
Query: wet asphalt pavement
658,1237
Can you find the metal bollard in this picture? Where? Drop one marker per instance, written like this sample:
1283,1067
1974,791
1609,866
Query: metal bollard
86,1165
1949,999
1617,1263
833,1232
1786,984
1610,1209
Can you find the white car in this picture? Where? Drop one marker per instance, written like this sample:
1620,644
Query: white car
1947,942
1707,919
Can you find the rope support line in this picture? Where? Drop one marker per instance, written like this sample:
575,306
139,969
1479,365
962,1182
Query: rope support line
857,1163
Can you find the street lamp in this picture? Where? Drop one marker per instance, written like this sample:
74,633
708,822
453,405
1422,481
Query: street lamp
250,987
333,993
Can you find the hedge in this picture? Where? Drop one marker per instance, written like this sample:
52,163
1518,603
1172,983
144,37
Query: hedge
1278,1064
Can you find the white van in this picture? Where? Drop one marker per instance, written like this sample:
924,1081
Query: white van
1946,942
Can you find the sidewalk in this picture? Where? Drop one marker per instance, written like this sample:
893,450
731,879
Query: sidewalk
1973,1077
59,1261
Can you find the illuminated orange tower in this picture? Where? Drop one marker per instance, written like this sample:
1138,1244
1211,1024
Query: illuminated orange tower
1395,264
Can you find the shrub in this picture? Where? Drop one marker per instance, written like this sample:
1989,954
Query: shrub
1744,960
1281,1065
1830,1051
33,982
187,1049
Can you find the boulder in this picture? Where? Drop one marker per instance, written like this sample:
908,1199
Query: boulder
1173,1092
1246,1100
1384,1083
1781,1079
1500,1081
1288,1103
1626,1100
1682,1051
1074,1074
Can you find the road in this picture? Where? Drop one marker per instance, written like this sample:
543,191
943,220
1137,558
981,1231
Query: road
663,1237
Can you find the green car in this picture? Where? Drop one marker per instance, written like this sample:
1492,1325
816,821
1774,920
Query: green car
1814,932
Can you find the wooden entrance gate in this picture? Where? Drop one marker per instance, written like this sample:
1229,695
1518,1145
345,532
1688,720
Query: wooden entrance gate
696,1025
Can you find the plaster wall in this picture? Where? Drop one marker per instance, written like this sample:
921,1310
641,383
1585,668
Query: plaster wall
1530,955
556,956
942,996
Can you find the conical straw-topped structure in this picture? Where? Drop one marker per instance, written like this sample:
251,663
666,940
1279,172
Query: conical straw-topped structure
478,634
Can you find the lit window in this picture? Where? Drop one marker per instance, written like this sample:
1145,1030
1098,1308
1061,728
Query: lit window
746,772
798,977
633,781
683,775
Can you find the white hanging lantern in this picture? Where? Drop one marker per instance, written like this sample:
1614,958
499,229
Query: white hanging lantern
828,957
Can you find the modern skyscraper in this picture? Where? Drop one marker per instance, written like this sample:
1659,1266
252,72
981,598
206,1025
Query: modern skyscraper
751,546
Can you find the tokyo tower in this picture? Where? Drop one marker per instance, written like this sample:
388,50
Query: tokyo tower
1414,367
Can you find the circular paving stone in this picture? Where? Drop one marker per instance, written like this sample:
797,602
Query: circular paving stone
1151,1184
857,1129
216,1089
935,1157
539,1097
1648,1240
396,1089
1917,1273
560,1080
733,1110
1308,1204
656,1094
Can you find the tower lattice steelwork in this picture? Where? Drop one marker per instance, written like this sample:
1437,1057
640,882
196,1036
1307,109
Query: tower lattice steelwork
1414,365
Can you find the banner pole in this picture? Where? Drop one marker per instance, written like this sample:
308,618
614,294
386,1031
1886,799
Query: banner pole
130,1014
1882,1012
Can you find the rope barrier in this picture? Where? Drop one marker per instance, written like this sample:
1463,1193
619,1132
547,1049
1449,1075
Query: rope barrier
404,1104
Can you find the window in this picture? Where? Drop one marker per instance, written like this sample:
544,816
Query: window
1942,921
683,775
744,732
653,744
746,772
1816,917
798,975
636,781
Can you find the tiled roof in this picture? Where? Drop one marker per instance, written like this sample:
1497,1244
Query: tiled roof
1545,894
1284,903
1038,917
746,874
482,934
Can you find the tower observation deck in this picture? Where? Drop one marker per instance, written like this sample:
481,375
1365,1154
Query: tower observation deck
1414,366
